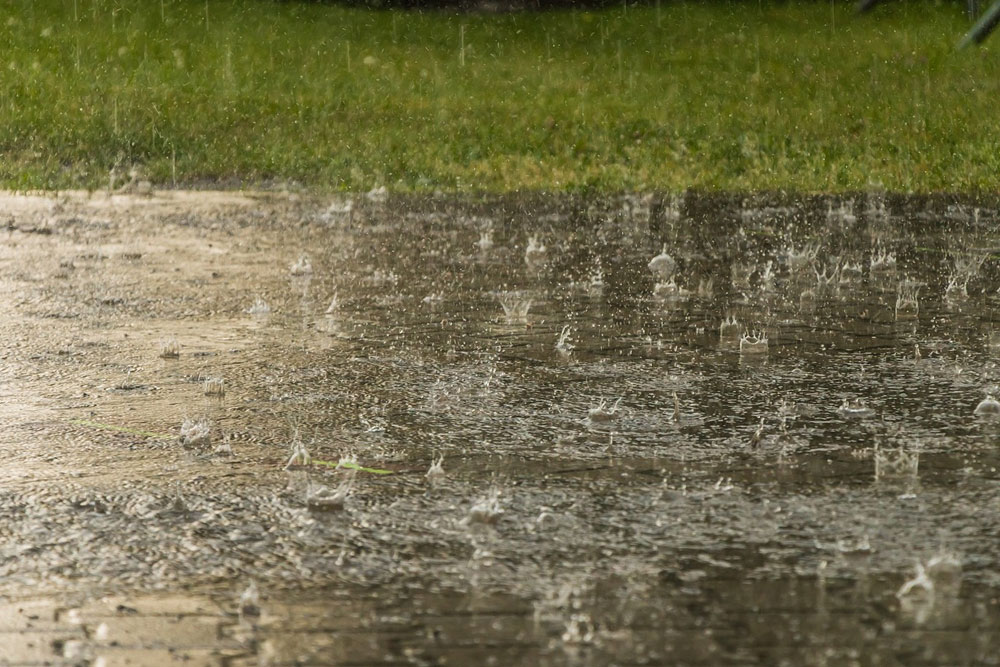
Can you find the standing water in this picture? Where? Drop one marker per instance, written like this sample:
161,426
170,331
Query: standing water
478,454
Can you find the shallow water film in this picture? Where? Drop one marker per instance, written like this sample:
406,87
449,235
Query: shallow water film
689,430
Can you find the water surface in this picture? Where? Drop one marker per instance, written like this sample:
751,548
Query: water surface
643,494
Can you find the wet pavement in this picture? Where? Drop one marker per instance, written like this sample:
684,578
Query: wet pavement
277,429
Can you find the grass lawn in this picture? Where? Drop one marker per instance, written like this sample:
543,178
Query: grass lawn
797,96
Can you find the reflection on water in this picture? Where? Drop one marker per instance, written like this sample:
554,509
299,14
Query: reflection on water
521,431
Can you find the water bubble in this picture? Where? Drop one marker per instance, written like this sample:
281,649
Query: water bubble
855,548
988,407
380,277
855,409
671,290
338,210
663,265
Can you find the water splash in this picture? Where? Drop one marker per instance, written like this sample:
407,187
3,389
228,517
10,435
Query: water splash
882,260
767,277
800,259
596,276
663,265
302,266
534,254
604,412
324,498
378,195
259,308
300,453
730,333
854,409
851,273
754,344
485,241
515,305
564,345
170,349
214,386
435,474
844,213
907,305
249,602
901,463
487,510
196,433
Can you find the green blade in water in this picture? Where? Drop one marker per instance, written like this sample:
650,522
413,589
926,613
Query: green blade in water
352,466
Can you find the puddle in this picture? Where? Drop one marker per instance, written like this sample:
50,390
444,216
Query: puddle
615,479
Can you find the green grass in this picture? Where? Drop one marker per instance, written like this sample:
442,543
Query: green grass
724,96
